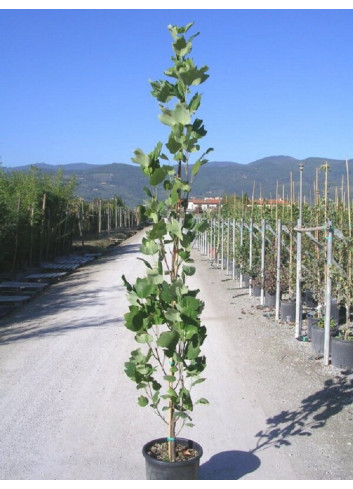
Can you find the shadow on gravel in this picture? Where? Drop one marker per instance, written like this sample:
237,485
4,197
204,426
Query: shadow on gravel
32,332
229,465
313,414
69,294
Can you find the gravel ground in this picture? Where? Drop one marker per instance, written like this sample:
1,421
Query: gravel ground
308,407
70,413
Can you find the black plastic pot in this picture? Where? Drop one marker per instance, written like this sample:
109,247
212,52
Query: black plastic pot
270,300
310,321
341,353
160,470
287,311
246,280
256,291
318,338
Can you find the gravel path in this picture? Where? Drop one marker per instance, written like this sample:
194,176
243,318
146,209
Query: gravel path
68,411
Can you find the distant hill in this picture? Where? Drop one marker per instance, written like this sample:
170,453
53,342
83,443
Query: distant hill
215,179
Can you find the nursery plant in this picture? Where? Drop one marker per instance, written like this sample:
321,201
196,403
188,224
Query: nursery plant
164,312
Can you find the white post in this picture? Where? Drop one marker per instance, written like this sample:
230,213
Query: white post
222,245
298,307
228,244
278,279
263,232
328,297
250,256
241,245
233,250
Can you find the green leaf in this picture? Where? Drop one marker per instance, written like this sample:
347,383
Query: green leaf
169,378
144,288
158,175
198,381
196,167
154,276
202,401
126,283
174,228
142,401
168,339
172,315
134,319
162,90
180,115
147,192
186,399
184,255
192,352
195,102
159,230
189,270
148,247
190,331
143,338
172,394
173,145
148,265
182,47
176,30
141,158
194,76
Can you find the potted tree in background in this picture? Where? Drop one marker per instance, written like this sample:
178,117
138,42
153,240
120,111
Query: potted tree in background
164,313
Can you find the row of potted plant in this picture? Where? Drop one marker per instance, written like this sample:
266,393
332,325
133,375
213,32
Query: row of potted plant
313,293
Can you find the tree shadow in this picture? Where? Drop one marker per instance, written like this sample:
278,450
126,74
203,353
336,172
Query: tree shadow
230,465
314,412
32,332
26,322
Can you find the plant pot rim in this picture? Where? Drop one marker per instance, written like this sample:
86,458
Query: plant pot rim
341,340
165,463
316,326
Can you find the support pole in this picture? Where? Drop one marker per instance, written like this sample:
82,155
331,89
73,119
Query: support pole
228,243
298,315
250,255
278,278
328,296
233,251
263,233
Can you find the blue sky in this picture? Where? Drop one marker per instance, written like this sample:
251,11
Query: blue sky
74,83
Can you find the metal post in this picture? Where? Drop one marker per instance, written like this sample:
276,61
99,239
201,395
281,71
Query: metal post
298,315
233,250
263,232
222,245
328,296
278,279
228,244
250,256
218,238
241,245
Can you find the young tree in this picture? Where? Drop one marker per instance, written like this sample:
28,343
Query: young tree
165,313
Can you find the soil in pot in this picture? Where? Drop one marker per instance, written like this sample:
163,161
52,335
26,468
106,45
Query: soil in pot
341,353
186,466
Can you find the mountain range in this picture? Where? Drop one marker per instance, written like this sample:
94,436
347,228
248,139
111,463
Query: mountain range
215,179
